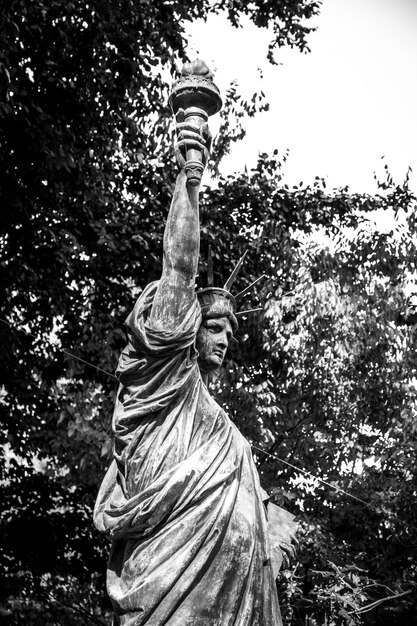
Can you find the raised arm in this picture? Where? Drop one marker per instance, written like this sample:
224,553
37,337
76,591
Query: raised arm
176,288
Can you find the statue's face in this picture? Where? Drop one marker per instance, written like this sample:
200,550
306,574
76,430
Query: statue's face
213,338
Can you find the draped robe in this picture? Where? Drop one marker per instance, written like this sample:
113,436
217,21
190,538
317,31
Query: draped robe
181,500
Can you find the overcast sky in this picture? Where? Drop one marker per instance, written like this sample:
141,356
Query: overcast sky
339,109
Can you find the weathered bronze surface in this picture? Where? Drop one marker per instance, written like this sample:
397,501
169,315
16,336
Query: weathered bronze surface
194,98
181,500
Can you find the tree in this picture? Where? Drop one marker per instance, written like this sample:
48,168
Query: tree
330,386
86,178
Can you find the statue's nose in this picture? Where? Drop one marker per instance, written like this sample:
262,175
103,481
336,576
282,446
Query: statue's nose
222,343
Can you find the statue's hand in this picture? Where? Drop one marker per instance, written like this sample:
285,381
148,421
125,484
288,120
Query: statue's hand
191,135
282,537
289,549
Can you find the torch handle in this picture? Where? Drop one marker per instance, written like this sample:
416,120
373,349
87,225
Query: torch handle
194,166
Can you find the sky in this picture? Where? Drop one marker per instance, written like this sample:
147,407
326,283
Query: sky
343,110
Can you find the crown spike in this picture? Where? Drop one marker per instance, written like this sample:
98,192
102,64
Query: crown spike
245,291
240,313
210,277
233,275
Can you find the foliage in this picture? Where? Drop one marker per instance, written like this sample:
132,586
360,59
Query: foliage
325,380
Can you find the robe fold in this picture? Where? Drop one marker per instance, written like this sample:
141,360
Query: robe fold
181,500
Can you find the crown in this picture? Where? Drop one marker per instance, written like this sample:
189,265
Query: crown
219,301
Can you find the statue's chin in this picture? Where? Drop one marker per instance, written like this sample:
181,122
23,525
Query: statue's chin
210,364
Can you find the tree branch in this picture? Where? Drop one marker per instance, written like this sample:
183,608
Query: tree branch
373,605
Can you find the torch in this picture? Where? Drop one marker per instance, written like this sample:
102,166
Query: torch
197,95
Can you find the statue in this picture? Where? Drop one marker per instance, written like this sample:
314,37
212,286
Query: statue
181,500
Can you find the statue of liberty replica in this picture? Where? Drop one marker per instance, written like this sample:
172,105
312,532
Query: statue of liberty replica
181,501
